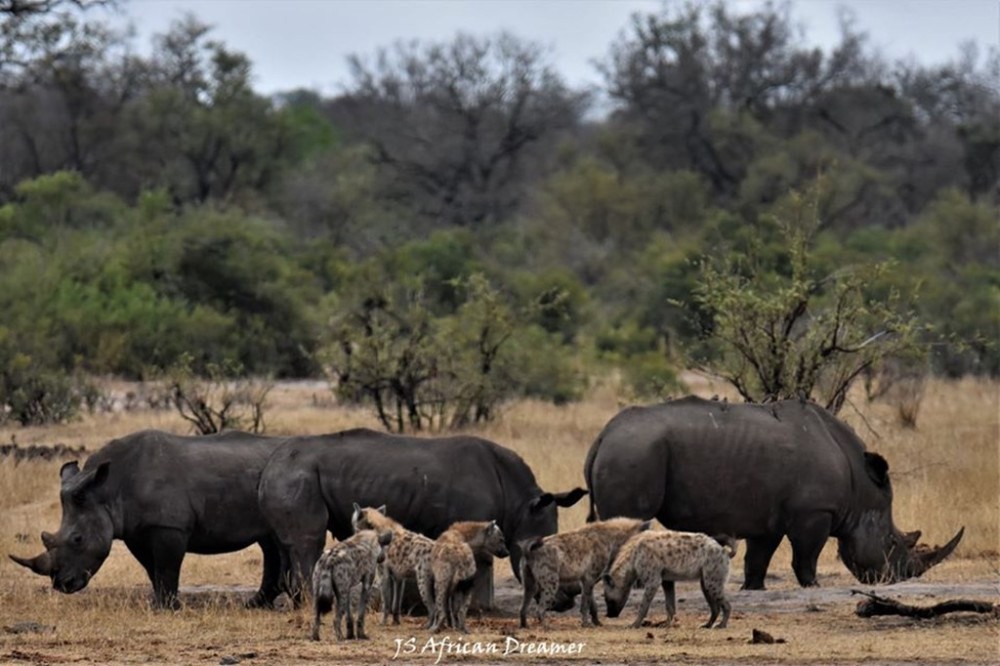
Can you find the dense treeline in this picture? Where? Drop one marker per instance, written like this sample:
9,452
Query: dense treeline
463,213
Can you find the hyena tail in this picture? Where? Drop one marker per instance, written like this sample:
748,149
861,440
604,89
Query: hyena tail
323,592
727,542
465,584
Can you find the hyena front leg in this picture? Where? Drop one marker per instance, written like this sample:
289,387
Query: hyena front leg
648,592
671,600
388,599
398,588
588,608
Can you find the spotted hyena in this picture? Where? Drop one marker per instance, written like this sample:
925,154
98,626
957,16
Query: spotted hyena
453,566
407,556
572,558
339,569
659,558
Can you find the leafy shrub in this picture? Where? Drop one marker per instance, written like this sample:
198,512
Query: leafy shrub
221,399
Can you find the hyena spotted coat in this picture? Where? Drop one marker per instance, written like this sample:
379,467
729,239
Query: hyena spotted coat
452,567
340,568
578,557
652,559
407,556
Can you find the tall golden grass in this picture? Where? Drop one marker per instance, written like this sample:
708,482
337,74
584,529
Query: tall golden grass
946,473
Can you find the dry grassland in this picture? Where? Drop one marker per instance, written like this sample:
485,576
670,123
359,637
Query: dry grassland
946,474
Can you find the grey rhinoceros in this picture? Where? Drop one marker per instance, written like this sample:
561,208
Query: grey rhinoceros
311,484
758,472
164,495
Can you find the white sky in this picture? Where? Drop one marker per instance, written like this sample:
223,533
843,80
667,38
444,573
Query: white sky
304,43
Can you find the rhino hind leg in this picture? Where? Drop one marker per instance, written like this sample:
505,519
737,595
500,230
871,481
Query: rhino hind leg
808,535
760,550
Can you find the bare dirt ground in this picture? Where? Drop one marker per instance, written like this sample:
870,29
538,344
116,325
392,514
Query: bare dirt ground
815,625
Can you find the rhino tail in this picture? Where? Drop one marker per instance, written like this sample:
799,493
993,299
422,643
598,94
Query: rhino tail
588,471
592,514
727,542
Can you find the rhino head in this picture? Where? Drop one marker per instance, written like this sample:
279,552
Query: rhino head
74,554
537,517
874,549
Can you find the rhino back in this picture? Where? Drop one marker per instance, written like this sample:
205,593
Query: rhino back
205,486
426,483
709,466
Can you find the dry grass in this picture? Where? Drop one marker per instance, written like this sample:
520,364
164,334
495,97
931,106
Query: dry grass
946,474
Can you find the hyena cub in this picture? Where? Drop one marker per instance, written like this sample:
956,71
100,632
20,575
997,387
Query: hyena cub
407,555
576,557
338,570
660,558
453,568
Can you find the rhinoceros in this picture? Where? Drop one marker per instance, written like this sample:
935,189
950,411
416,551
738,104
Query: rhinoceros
758,472
164,495
311,484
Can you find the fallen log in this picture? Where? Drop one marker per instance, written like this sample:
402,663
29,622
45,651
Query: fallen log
876,605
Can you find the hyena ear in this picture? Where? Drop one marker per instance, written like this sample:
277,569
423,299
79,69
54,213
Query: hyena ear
646,524
357,509
381,510
608,580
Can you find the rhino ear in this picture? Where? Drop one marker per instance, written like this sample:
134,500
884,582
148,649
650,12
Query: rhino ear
570,498
541,501
88,480
68,471
877,468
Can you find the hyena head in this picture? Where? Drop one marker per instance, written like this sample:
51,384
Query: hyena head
369,518
616,591
493,540
384,539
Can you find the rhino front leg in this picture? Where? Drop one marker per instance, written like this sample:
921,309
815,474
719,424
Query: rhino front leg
757,559
167,547
270,584
808,535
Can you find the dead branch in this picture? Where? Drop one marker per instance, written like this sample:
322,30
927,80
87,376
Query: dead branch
876,605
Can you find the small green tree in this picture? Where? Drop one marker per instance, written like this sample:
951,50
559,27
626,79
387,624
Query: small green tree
784,329
384,351
421,372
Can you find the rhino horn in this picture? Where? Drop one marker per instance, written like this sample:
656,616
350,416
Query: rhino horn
926,557
48,540
41,565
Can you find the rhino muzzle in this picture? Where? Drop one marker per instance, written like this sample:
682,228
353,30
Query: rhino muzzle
41,564
917,559
923,557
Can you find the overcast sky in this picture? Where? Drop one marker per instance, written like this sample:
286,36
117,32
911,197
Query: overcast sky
304,43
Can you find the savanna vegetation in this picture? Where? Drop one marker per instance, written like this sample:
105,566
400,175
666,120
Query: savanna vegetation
944,474
459,227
